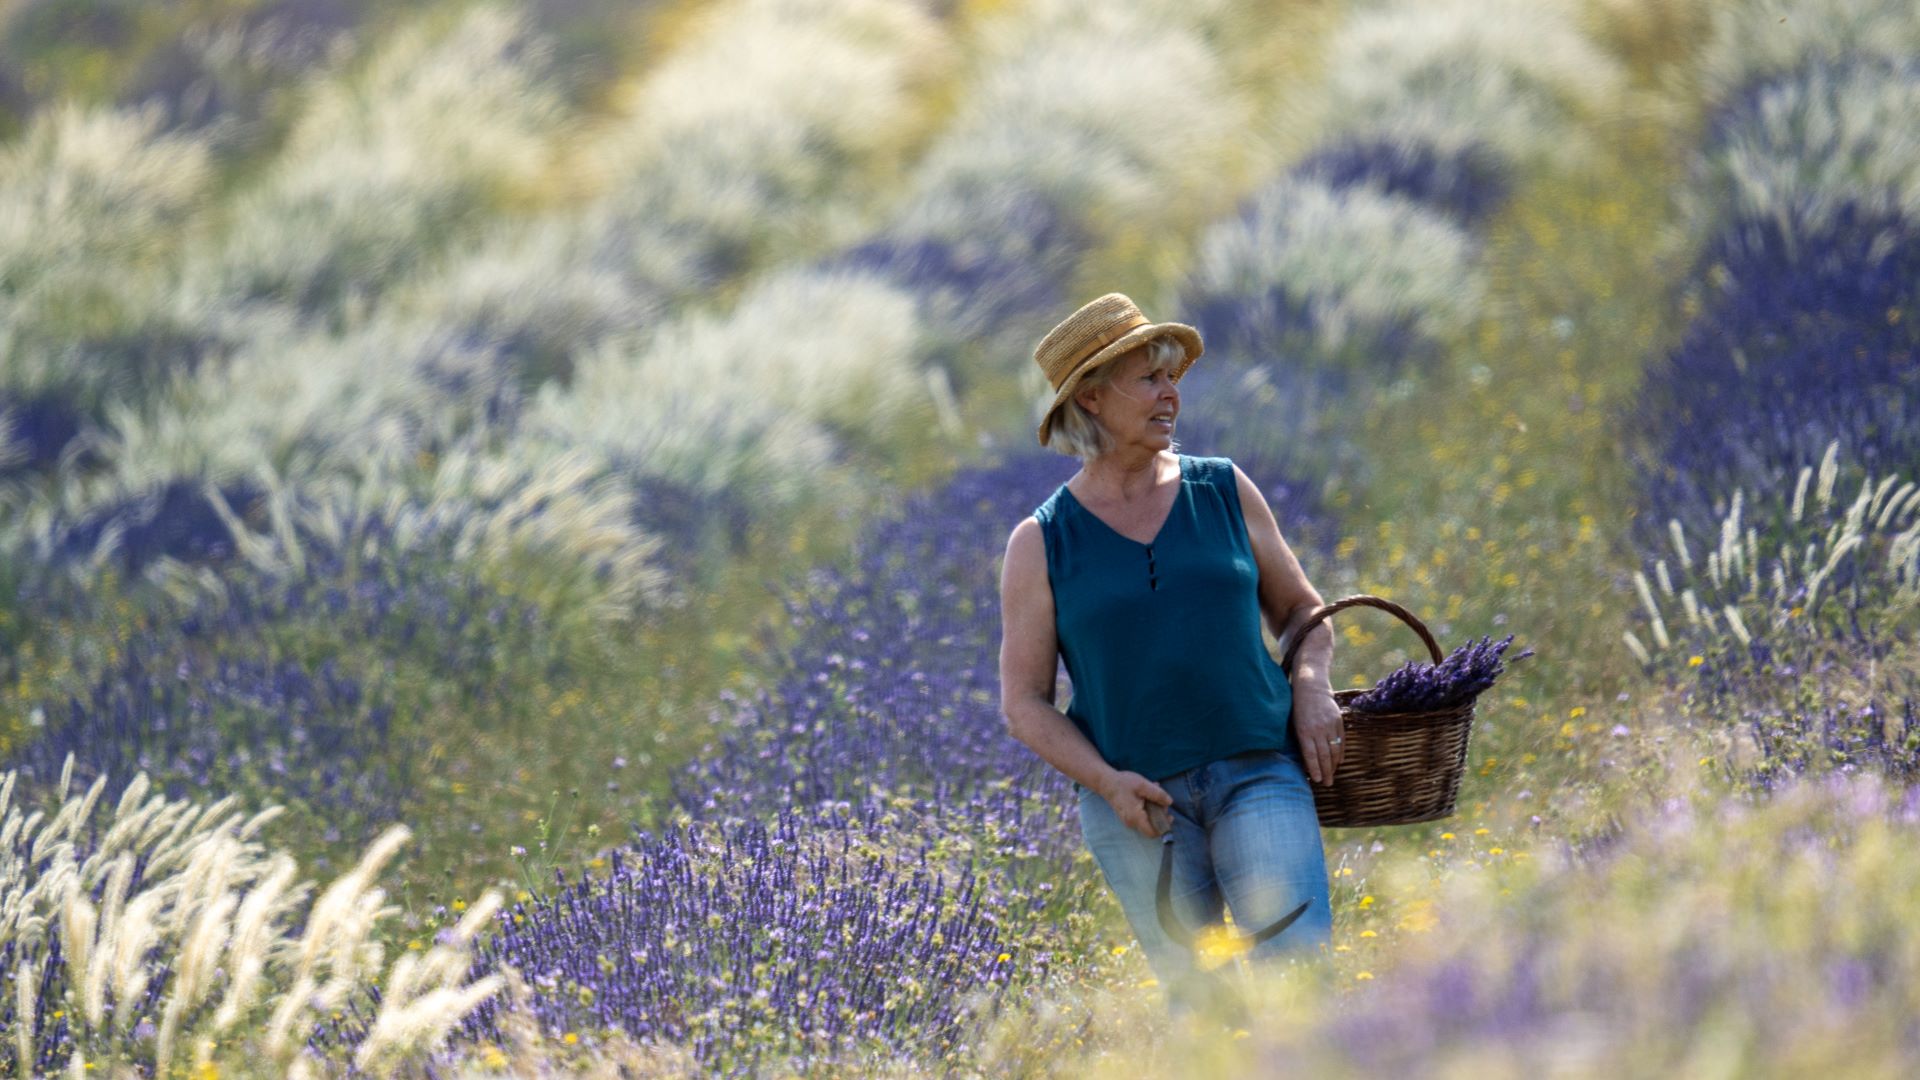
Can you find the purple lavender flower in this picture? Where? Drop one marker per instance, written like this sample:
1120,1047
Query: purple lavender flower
1468,184
820,932
1464,674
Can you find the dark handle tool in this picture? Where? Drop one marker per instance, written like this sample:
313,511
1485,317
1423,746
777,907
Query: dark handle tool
1163,904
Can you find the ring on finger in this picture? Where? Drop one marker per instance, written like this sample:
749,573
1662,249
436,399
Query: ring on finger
1336,739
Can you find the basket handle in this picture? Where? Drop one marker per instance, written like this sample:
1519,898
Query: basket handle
1326,611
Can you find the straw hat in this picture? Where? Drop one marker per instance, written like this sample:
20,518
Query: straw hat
1103,330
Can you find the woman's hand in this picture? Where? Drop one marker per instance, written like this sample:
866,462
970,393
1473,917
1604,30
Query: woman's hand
1316,721
1138,801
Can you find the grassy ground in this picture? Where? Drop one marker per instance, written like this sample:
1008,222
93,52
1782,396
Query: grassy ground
1500,494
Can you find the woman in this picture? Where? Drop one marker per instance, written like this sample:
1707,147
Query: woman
1148,573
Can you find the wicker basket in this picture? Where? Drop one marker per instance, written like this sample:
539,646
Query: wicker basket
1398,768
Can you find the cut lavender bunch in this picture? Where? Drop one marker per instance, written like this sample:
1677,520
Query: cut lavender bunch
1423,687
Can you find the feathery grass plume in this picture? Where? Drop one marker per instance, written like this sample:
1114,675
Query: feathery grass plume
1031,171
548,521
541,292
23,1019
762,398
424,999
1322,273
1753,42
200,951
252,927
421,997
768,130
1314,293
336,423
310,403
90,201
1811,145
1785,568
335,948
190,906
386,165
1517,74
86,196
1055,115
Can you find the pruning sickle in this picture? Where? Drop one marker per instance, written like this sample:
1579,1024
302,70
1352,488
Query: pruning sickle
1163,892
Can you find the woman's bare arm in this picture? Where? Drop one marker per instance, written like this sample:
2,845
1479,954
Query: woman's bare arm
1287,599
1029,661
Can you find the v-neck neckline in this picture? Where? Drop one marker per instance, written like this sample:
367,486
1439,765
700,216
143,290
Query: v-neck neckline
1164,522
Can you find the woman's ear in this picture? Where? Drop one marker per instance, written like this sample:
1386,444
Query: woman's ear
1089,399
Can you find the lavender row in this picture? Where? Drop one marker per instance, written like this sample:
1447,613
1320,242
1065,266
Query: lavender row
1804,343
295,684
891,684
814,933
1775,598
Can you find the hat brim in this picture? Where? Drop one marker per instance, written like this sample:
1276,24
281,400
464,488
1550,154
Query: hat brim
1187,336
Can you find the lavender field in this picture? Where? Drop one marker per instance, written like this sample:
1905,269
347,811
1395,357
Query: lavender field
501,509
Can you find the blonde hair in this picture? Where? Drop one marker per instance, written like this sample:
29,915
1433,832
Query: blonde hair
1077,432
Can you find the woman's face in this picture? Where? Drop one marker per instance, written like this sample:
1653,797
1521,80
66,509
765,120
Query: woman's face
1139,406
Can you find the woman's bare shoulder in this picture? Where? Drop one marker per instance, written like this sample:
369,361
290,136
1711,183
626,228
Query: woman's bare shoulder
1027,542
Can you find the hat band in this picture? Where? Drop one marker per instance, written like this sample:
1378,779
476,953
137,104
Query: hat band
1105,338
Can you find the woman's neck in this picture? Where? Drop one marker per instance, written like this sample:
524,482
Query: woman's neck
1123,475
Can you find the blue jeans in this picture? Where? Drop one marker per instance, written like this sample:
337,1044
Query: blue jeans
1246,837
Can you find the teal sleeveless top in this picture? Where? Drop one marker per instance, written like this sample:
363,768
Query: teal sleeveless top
1162,641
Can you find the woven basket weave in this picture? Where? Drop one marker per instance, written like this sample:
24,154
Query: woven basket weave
1399,768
